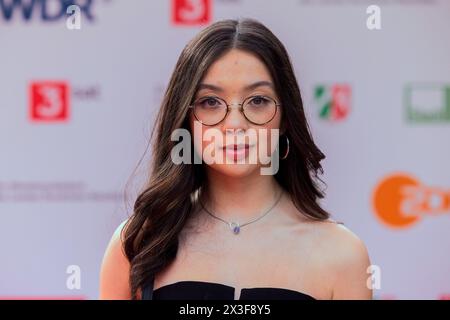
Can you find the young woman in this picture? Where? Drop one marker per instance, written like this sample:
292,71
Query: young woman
224,230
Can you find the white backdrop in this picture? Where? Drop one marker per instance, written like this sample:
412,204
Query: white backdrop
378,103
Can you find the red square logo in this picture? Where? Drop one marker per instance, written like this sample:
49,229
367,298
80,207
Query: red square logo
191,12
49,101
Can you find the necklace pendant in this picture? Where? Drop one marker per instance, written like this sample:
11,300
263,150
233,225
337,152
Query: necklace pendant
235,227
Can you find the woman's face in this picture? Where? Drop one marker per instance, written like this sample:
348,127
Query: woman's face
230,78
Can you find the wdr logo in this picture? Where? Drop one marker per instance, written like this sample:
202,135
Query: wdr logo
45,10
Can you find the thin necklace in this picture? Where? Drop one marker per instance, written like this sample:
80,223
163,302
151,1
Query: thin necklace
234,225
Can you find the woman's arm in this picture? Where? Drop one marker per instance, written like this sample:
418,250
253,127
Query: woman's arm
115,269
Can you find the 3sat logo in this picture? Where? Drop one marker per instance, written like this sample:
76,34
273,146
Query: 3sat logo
49,101
191,12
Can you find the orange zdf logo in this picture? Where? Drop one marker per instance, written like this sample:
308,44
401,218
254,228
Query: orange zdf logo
400,200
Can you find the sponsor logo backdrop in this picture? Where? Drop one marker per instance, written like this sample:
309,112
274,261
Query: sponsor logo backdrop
77,107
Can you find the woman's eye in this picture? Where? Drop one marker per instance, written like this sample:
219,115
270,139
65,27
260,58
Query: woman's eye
258,100
209,102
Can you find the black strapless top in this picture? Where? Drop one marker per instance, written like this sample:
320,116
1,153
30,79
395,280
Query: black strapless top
200,290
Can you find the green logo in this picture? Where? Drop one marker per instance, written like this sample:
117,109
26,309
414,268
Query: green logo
427,103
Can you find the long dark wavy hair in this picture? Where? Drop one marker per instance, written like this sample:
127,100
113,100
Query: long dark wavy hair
165,202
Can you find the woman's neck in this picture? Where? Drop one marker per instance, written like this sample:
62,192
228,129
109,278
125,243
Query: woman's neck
240,199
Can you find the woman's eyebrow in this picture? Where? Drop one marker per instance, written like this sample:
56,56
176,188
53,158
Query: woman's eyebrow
246,88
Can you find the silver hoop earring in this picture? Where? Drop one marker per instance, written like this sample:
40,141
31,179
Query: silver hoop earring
287,150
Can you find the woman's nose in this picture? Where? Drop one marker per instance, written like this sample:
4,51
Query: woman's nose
235,119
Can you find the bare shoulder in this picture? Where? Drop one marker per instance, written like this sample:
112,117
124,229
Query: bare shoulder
115,269
340,242
345,257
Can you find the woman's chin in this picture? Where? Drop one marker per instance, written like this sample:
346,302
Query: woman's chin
235,170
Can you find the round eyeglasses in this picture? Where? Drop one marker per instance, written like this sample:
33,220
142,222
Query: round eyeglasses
211,110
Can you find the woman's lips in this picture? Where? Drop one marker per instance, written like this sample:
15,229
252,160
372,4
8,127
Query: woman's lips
237,151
